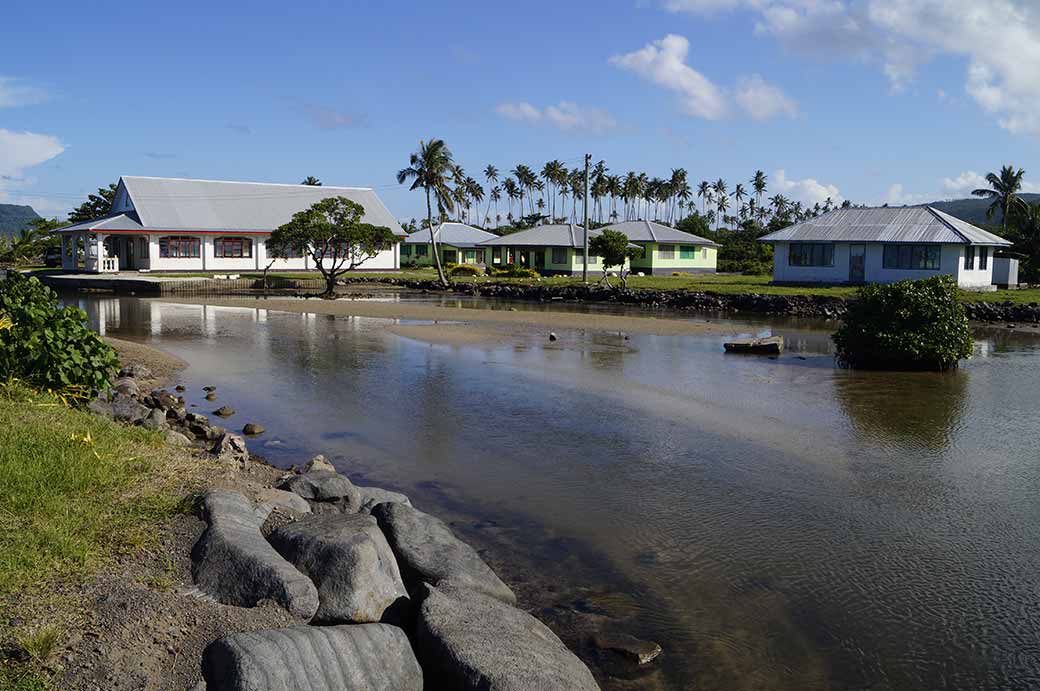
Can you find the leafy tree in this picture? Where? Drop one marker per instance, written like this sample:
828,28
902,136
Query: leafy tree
910,325
1026,235
97,205
613,248
30,242
312,181
430,168
332,233
1003,191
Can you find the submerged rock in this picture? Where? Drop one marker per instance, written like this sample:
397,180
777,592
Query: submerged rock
639,651
468,640
310,658
252,429
224,411
233,563
428,552
350,562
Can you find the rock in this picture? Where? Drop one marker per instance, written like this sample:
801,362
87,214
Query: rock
211,397
156,420
177,439
224,411
324,487
197,418
552,336
639,651
233,563
179,388
163,400
209,389
127,409
374,657
467,640
370,496
126,385
427,551
177,413
252,429
230,446
287,501
101,406
136,371
349,560
319,462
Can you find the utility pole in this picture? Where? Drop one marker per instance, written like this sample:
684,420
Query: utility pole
585,213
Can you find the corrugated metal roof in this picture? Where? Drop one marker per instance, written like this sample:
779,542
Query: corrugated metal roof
553,235
454,234
651,231
179,204
903,224
123,221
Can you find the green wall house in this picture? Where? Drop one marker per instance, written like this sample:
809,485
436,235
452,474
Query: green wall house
458,244
667,250
556,249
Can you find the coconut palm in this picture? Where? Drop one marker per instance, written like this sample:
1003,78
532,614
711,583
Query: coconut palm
525,179
496,195
1003,191
758,184
614,189
703,191
722,204
491,175
430,168
475,191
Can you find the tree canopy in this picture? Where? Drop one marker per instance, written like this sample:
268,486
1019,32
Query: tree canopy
613,249
97,205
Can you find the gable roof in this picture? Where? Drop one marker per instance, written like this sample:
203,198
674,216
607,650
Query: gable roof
449,233
651,231
127,220
551,235
901,224
214,205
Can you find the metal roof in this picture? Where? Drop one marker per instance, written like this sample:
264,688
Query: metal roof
651,231
903,224
453,234
551,235
123,221
185,205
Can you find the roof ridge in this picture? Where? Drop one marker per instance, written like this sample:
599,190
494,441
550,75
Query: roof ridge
935,212
650,228
244,182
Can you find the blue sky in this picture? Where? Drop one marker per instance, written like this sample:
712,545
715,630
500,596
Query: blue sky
875,101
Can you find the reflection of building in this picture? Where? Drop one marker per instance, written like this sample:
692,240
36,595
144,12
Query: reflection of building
882,246
167,224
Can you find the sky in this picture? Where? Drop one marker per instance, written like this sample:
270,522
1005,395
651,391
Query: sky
875,101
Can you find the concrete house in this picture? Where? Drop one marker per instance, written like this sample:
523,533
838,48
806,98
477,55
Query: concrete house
667,250
172,224
882,246
555,249
458,243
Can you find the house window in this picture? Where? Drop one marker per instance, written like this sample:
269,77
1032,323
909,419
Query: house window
232,248
969,258
496,255
469,256
911,257
811,254
179,247
688,252
450,256
422,250
666,251
406,250
559,255
983,258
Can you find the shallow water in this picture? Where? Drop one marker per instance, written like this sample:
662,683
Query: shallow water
773,523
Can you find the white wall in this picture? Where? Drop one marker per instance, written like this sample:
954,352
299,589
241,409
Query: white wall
386,260
783,273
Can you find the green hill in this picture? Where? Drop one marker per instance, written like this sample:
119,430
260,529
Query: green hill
973,210
14,217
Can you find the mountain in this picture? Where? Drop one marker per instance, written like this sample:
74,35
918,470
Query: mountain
14,217
973,210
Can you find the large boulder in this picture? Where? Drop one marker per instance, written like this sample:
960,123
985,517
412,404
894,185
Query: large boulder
370,496
467,640
229,446
428,552
126,385
233,563
286,501
125,408
374,657
348,559
324,487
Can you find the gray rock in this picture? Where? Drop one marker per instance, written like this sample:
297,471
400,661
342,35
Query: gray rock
163,400
179,388
196,418
370,496
467,640
224,411
319,462
373,657
126,385
252,429
136,371
156,420
325,487
348,559
234,564
229,446
176,413
637,650
177,439
287,501
101,406
127,409
427,551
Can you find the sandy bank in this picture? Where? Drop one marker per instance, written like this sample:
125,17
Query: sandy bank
164,366
427,312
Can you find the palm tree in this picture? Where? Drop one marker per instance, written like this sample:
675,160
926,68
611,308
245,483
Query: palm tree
577,190
614,190
676,185
551,174
722,203
1003,192
475,192
758,184
312,181
510,187
430,168
739,193
525,179
496,195
703,191
491,175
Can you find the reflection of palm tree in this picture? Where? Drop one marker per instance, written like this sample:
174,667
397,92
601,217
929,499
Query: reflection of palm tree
1003,191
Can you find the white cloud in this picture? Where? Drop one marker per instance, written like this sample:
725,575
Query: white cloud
663,63
969,180
566,116
898,196
13,92
808,191
20,151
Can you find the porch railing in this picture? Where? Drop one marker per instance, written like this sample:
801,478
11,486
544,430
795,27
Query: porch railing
109,265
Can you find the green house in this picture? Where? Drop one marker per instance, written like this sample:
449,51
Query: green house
458,244
556,249
667,250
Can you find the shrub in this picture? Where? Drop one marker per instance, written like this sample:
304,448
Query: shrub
514,271
910,325
465,270
48,346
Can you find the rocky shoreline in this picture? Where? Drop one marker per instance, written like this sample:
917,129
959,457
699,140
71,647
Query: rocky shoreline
810,306
378,594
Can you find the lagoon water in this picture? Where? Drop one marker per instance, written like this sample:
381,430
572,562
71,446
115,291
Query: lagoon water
773,523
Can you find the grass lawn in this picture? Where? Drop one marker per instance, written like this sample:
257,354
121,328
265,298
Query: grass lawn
75,490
